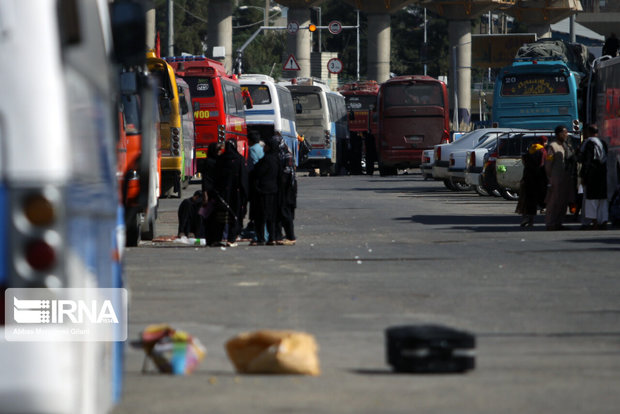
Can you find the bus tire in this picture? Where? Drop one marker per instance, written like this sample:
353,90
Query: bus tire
150,233
385,171
132,230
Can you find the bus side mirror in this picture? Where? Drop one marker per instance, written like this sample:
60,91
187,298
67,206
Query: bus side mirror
298,108
128,20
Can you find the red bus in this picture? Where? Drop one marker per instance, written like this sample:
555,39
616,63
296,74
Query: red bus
413,116
361,101
218,105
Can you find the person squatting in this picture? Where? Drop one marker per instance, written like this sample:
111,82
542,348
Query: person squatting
266,183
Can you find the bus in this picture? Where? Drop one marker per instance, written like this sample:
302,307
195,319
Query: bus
188,130
272,109
606,95
413,115
217,103
322,121
173,178
536,93
59,204
139,154
361,102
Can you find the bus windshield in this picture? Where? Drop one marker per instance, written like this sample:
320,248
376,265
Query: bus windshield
259,93
308,101
413,94
535,84
200,87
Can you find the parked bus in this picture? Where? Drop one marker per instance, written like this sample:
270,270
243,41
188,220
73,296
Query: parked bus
217,102
413,116
188,130
606,95
272,109
536,93
59,204
139,154
173,178
322,121
361,101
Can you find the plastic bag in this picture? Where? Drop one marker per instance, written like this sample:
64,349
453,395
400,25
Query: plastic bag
274,352
171,351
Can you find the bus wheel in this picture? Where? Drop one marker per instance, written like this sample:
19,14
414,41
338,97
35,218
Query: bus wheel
385,171
132,230
178,186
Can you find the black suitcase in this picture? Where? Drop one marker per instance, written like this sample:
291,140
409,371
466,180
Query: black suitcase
429,349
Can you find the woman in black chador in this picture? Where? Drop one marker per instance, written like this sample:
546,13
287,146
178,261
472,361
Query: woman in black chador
231,193
266,175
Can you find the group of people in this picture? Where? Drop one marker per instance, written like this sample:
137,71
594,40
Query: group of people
263,188
558,177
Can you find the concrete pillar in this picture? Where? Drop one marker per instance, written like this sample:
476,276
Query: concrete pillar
459,32
150,28
541,30
299,44
220,29
378,61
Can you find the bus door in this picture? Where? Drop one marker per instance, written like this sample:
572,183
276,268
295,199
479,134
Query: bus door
235,125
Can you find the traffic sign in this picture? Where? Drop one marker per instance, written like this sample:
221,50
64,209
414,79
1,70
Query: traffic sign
334,27
292,27
291,64
334,65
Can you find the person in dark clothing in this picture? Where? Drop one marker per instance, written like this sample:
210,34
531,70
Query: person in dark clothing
611,45
593,176
231,193
190,222
287,193
208,187
266,175
534,182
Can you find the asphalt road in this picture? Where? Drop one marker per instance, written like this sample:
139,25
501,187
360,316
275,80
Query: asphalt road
374,252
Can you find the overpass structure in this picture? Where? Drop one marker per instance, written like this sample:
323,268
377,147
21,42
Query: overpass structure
537,14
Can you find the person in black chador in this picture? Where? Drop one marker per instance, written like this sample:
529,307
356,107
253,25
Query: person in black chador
611,45
231,194
190,222
266,173
208,187
287,194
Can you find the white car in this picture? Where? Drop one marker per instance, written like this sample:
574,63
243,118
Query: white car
474,164
467,141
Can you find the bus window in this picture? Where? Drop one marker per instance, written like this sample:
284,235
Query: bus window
260,94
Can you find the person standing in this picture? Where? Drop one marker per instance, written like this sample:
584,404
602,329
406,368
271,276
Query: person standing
287,194
266,207
231,193
559,167
534,181
594,179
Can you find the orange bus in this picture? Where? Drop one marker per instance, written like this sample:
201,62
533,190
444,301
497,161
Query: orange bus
361,101
219,112
413,116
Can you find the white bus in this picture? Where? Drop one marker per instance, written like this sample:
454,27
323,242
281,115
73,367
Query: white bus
322,120
60,217
273,109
